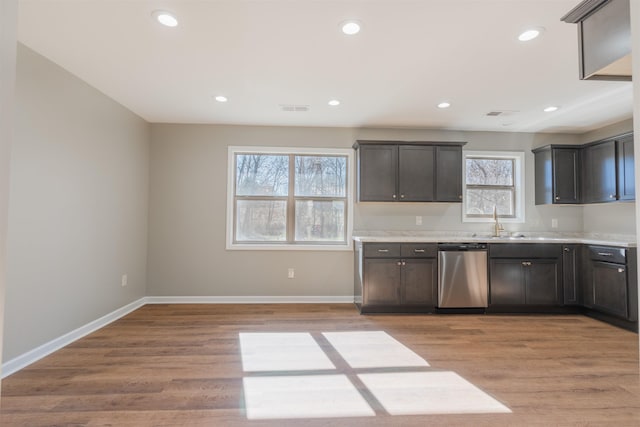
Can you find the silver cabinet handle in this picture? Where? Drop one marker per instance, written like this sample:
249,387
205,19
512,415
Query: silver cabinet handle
404,263
399,263
394,196
526,263
384,251
557,197
605,254
418,251
460,197
567,250
402,196
612,196
621,270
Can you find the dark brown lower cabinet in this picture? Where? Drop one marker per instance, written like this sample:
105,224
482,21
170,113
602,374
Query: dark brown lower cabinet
610,281
399,281
571,274
382,284
609,287
399,277
525,282
418,282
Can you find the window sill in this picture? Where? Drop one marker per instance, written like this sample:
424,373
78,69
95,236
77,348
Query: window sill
289,247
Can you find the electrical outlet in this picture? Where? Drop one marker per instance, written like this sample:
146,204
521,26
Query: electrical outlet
123,281
418,220
554,223
291,273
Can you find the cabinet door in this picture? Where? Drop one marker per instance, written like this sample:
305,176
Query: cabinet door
543,176
542,282
609,287
419,278
381,281
600,172
449,174
626,175
377,173
507,281
571,274
566,172
416,173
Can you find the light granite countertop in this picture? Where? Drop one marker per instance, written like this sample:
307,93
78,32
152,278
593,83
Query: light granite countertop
621,240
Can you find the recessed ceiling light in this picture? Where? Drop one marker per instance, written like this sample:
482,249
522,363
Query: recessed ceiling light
530,34
165,18
221,98
350,27
334,102
550,108
444,105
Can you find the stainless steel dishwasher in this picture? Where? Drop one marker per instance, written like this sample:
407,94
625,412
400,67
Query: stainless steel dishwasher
462,275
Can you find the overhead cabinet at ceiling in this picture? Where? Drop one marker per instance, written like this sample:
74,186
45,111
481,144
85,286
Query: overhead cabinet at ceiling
598,172
604,38
395,171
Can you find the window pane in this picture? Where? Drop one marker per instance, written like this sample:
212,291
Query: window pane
489,171
321,176
261,220
482,201
320,220
262,175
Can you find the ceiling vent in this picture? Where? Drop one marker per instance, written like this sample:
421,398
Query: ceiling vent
294,107
496,113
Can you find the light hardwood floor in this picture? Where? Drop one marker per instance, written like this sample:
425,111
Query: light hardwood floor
180,365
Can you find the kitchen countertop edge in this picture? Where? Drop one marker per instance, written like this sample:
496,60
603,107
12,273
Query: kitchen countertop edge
408,237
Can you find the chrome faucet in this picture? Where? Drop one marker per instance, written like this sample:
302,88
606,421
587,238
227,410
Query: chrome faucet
497,227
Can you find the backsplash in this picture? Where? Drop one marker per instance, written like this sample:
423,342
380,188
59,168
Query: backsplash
448,217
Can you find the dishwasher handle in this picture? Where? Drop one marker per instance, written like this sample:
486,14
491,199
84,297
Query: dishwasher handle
446,247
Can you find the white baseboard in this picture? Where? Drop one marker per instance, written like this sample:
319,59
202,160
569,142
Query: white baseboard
251,300
14,365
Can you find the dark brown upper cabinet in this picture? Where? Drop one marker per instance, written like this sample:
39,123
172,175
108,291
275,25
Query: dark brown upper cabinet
396,171
609,170
626,173
598,172
604,39
557,171
599,181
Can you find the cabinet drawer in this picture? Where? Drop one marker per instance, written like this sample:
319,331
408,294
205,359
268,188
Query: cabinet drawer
524,250
608,254
419,250
381,250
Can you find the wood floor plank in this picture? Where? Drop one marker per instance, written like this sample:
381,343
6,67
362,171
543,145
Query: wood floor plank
170,365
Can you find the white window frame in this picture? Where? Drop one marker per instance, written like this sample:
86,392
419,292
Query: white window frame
231,182
518,158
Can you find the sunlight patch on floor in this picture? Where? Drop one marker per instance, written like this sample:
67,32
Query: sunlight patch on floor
310,396
373,349
282,352
413,393
286,379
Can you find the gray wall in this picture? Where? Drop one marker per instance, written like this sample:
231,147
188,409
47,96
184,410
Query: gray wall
8,33
616,218
188,183
78,206
187,218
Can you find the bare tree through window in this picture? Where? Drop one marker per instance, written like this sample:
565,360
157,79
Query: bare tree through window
290,198
490,182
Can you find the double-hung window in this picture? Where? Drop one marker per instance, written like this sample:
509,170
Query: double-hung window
283,198
493,180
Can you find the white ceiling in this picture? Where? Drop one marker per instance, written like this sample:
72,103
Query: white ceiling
261,54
